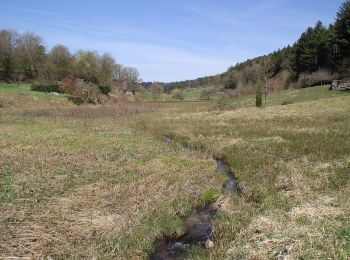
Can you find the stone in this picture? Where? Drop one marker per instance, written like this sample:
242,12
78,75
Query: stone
209,244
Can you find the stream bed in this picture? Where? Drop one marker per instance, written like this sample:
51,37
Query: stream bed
199,224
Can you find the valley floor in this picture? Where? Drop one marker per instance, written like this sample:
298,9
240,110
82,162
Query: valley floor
101,181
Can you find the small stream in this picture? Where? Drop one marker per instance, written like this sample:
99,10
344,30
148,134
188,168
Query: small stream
231,184
199,225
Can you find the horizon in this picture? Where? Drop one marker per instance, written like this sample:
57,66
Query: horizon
170,42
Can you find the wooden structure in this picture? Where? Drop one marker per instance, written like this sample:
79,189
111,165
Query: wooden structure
341,84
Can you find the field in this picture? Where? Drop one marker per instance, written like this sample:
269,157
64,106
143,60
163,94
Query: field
100,181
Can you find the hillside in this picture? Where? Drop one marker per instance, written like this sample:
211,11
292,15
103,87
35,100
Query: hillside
319,55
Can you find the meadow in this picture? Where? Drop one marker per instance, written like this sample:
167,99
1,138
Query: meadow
100,181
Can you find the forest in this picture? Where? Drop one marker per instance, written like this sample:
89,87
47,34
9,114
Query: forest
321,54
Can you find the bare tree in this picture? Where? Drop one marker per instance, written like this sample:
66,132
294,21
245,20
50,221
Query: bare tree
131,77
131,74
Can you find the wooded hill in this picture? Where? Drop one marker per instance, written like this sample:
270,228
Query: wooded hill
321,54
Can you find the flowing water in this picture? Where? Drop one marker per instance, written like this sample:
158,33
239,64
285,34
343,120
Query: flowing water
231,183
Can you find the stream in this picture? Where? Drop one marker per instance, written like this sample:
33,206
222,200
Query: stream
199,224
231,184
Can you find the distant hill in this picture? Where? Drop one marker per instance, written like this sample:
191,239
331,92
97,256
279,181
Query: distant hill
321,54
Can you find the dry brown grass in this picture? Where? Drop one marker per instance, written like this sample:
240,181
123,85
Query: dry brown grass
90,112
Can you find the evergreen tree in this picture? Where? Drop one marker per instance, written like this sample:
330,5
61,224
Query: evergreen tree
258,101
342,32
311,51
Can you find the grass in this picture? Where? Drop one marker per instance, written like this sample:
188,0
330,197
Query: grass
193,94
289,96
83,182
24,89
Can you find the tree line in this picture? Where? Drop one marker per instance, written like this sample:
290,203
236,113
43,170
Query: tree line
321,54
25,57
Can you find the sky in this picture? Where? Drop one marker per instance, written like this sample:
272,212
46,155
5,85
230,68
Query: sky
169,40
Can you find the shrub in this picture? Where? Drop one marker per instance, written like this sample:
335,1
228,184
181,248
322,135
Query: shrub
207,93
53,87
86,93
231,81
258,101
105,89
286,102
315,78
220,103
177,94
283,80
68,85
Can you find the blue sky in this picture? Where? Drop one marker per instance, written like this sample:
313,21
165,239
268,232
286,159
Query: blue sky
169,40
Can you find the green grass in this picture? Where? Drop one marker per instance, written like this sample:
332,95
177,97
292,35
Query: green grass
24,89
193,94
289,96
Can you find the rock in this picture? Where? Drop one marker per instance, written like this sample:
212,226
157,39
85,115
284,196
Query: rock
209,244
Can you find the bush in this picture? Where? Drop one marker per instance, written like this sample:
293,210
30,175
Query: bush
177,94
316,78
286,102
86,93
105,89
53,87
68,85
207,93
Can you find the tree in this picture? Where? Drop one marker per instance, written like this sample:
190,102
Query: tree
86,66
31,53
311,50
258,101
8,43
342,31
107,69
156,88
231,81
131,77
59,62
130,74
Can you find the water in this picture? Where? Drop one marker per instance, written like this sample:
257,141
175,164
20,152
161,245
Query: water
231,184
199,228
168,139
199,225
